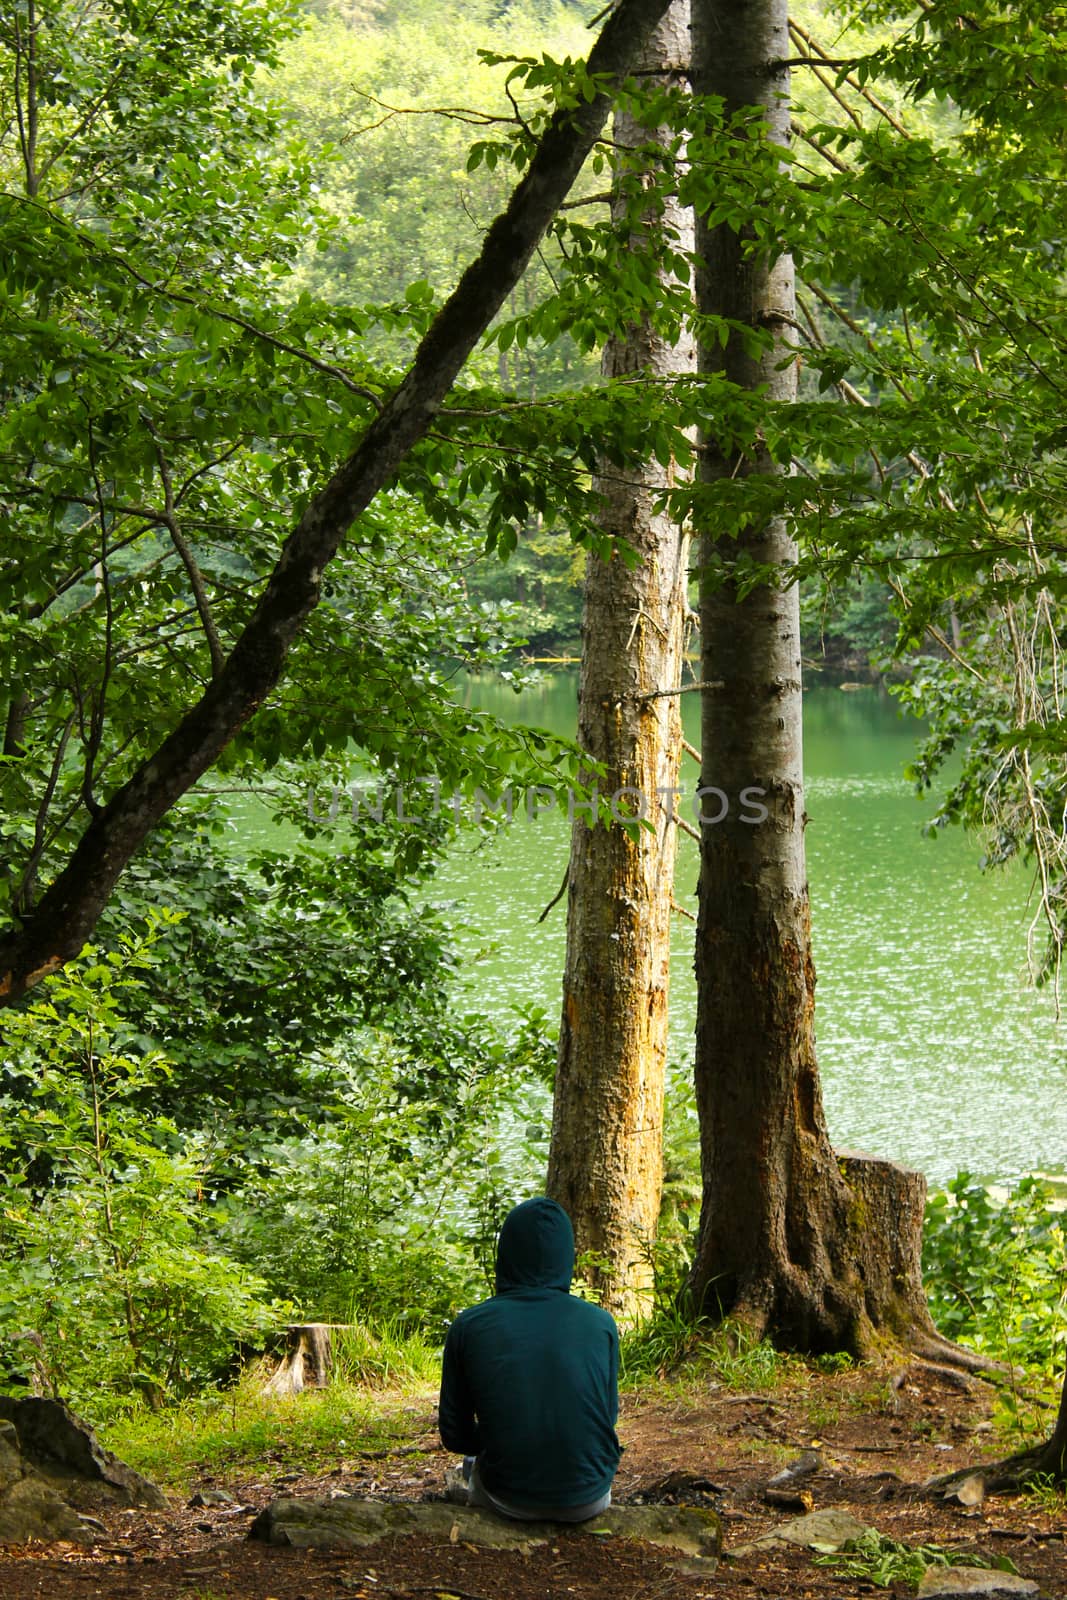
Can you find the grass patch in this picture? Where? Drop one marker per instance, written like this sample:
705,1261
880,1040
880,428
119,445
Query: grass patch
245,1434
241,1432
1043,1493
670,1344
385,1356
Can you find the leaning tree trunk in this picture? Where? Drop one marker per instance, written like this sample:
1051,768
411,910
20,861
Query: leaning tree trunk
606,1158
795,1242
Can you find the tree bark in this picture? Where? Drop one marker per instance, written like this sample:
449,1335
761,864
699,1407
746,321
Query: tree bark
15,723
606,1157
787,1242
1054,1454
68,911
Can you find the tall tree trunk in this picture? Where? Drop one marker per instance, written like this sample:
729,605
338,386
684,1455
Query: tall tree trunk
15,722
68,911
794,1241
606,1158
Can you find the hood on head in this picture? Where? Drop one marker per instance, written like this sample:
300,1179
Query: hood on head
536,1247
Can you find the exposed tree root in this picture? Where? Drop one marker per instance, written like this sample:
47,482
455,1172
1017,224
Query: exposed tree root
1048,1461
930,1346
1010,1476
955,1377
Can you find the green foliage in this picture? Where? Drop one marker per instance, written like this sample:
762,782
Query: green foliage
1044,1493
876,1558
110,1283
387,1206
138,1256
993,720
281,953
851,620
832,1361
170,397
392,104
660,1344
388,1356
996,1271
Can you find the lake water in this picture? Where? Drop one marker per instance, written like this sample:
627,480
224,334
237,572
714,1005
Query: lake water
933,1048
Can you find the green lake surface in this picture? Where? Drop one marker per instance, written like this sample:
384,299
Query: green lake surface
933,1048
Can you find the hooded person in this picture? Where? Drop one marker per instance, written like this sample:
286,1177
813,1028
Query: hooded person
529,1382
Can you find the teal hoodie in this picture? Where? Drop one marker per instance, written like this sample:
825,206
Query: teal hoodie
529,1383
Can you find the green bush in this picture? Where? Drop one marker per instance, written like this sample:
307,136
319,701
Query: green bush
139,1256
111,1286
996,1271
385,1210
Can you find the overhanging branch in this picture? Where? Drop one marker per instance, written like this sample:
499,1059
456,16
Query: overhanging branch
68,912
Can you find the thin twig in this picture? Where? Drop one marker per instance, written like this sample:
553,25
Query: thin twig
661,694
23,898
558,896
189,562
99,700
872,100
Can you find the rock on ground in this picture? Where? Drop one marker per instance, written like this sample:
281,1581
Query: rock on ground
29,1509
349,1521
52,1469
979,1583
65,1451
819,1530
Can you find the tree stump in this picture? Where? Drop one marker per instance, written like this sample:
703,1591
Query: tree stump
308,1359
888,1206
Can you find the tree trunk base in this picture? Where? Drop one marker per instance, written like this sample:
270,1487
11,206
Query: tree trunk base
841,1269
887,1204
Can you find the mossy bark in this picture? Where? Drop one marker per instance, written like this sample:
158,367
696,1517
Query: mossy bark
818,1251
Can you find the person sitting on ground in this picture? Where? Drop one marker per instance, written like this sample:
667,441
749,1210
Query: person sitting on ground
529,1383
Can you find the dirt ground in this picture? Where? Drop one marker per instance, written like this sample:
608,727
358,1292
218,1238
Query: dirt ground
879,1436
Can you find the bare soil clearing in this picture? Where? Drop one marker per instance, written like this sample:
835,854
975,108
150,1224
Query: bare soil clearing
879,1437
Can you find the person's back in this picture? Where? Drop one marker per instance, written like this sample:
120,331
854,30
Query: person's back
529,1385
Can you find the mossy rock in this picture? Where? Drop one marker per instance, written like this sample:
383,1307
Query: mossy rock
345,1522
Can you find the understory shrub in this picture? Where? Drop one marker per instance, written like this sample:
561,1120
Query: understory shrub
996,1271
385,1210
111,1283
141,1258
877,1559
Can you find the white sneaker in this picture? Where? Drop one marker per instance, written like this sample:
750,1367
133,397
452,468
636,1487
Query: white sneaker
457,1489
